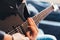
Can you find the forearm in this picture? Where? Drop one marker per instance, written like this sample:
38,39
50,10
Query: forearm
4,36
7,37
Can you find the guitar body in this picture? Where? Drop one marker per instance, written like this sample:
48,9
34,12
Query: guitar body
10,22
15,22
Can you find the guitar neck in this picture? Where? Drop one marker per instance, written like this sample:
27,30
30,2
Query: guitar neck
43,14
39,16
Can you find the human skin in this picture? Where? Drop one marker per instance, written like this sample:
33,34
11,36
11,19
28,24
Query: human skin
30,36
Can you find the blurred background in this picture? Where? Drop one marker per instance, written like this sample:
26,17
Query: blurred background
51,24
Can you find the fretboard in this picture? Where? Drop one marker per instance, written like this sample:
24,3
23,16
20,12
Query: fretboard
40,16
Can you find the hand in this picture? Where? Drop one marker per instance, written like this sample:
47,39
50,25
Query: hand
16,36
34,30
7,37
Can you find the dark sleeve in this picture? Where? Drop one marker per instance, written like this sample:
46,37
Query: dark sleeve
2,35
21,10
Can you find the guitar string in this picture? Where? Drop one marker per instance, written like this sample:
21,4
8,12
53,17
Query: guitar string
13,31
39,15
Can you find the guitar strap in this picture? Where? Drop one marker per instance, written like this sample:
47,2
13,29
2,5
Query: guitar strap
22,11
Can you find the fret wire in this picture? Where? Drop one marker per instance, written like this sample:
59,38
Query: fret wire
13,31
41,15
19,29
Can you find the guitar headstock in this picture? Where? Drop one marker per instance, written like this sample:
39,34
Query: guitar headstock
55,4
56,7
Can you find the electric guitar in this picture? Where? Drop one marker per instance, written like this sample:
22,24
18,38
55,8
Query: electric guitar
23,27
15,24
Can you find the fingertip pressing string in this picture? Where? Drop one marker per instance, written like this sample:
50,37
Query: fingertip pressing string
12,38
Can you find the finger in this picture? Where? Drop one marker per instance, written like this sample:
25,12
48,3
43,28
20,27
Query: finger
32,29
31,37
28,34
32,23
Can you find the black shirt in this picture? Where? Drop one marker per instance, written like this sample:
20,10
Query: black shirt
8,7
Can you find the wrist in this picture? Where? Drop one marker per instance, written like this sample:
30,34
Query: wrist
18,36
7,37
